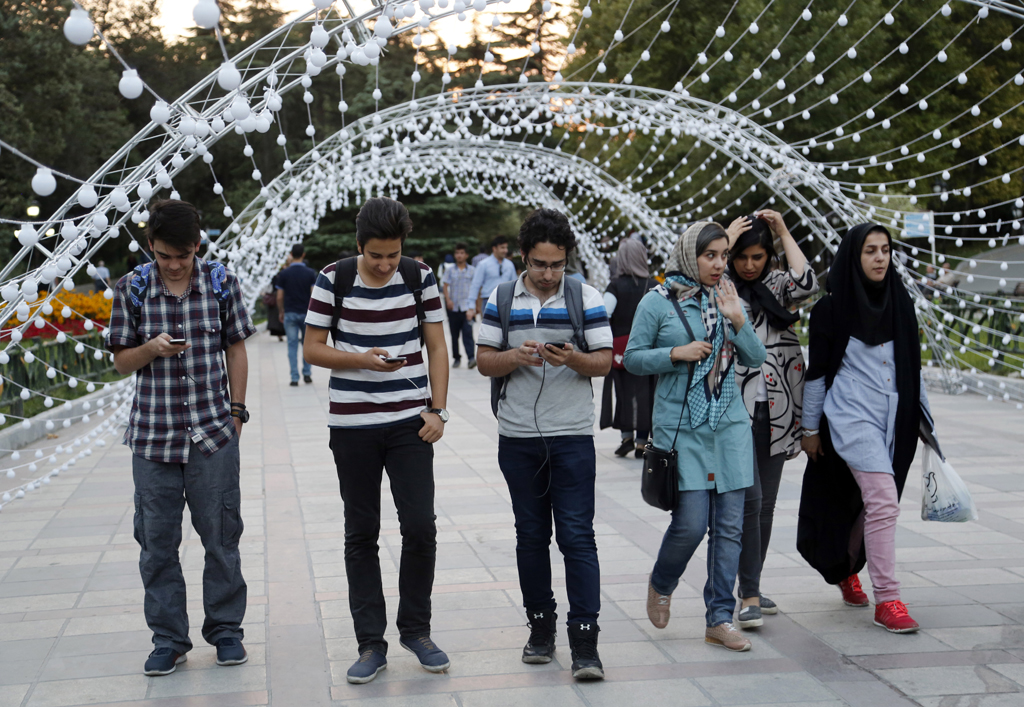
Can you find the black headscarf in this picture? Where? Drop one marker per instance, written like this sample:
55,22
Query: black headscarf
755,292
831,502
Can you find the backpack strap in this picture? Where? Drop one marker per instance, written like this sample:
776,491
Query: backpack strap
412,276
218,275
344,279
577,314
505,292
137,287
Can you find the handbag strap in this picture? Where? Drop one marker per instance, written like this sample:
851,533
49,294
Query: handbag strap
691,366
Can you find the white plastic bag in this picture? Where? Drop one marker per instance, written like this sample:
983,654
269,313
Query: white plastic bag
945,497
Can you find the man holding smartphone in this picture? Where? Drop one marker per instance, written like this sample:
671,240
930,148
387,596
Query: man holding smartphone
546,432
386,412
174,323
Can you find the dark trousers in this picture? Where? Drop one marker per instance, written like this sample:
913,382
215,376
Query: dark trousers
759,504
210,487
563,487
361,456
458,324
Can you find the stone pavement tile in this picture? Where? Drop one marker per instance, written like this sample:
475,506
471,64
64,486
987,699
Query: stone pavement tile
875,641
500,662
44,574
441,700
996,552
117,623
562,695
932,596
485,599
13,695
116,581
695,650
981,637
999,700
675,692
1014,671
619,655
138,641
965,577
992,593
765,688
18,671
89,691
948,680
27,630
234,678
39,602
68,542
846,618
958,616
112,597
1014,612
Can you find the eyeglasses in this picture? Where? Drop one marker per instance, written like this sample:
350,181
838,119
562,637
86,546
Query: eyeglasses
557,267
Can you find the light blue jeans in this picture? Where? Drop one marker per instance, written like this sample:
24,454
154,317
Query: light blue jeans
295,329
720,515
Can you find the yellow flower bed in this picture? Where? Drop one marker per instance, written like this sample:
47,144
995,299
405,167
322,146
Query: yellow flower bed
92,305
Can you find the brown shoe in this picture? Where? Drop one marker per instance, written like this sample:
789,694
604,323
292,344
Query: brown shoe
728,637
658,606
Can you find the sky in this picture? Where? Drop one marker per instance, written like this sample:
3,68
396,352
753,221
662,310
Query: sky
176,17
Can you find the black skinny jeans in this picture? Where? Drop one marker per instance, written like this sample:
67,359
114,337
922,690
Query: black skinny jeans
361,455
759,504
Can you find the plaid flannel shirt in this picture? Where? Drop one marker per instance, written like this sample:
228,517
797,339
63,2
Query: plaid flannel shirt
184,397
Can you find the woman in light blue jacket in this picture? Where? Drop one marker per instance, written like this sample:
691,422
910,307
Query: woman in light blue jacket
715,445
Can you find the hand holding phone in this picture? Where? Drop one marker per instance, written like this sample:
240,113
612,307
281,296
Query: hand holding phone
178,342
393,359
556,344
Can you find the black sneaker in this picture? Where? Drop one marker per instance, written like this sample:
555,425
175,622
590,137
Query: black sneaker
768,607
541,646
472,363
625,448
307,379
431,658
230,651
586,663
749,617
294,384
456,363
163,661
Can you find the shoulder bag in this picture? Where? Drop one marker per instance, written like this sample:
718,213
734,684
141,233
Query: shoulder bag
659,484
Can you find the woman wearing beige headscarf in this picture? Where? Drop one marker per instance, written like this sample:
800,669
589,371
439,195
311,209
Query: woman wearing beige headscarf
689,332
634,395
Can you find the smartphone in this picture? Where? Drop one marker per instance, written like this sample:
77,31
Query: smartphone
178,342
395,359
556,344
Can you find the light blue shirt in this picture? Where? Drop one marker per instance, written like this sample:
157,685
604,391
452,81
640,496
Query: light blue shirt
860,406
489,274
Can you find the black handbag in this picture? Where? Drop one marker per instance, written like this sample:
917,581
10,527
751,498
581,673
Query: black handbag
659,484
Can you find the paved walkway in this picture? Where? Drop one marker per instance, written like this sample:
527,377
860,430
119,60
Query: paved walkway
72,630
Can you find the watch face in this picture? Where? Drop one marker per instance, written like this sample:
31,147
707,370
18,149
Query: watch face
444,415
243,415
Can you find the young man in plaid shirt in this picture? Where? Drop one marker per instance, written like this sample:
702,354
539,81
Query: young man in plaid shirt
184,429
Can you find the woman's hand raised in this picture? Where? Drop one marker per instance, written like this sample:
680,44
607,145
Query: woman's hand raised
729,303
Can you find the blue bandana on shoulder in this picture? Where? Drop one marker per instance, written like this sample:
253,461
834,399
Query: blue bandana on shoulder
709,401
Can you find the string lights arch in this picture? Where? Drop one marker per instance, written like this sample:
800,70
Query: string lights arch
588,138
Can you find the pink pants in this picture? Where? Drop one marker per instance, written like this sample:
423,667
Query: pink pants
876,528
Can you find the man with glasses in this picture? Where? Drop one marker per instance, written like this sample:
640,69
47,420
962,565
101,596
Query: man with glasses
556,339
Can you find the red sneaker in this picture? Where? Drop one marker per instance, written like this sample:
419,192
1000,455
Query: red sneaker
893,617
853,593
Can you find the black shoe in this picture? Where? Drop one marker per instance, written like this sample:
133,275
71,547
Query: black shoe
230,651
586,663
456,363
541,646
472,363
163,661
307,379
625,448
294,384
366,668
431,658
639,453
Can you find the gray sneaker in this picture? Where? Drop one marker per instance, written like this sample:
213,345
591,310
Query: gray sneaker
750,617
768,607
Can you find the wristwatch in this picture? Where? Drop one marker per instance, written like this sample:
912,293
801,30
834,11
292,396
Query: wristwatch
440,412
238,410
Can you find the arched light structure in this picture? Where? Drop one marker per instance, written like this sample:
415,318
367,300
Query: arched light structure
563,143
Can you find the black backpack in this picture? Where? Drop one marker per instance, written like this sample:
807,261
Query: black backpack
573,305
138,285
345,278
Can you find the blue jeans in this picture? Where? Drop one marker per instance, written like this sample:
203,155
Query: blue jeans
699,512
458,324
295,329
563,487
210,487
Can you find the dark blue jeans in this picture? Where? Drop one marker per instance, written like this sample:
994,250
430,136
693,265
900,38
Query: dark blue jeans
210,486
562,488
458,324
720,515
295,328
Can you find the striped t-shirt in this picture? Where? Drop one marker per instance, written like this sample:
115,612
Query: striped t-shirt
383,317
565,404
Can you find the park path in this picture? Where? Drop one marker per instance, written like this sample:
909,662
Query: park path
72,630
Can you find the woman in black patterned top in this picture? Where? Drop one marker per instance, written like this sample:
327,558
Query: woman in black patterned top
773,393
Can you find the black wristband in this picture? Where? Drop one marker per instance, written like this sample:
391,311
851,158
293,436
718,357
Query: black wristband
240,406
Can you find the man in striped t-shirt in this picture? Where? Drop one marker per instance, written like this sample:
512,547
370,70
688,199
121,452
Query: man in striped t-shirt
386,411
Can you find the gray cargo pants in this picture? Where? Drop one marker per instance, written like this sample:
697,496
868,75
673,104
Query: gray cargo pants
210,486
